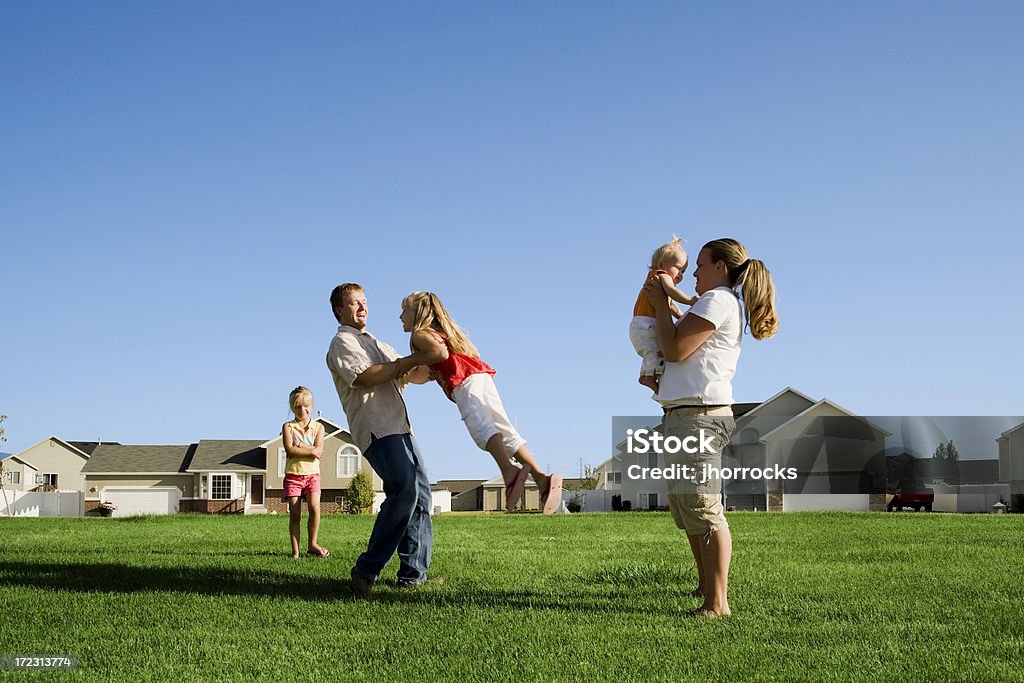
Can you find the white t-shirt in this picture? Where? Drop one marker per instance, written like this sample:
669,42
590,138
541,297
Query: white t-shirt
705,377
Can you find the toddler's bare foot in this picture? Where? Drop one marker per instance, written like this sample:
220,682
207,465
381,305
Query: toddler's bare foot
649,381
708,613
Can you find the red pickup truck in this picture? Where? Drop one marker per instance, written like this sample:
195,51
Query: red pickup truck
911,493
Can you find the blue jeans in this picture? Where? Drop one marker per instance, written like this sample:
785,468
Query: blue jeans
403,523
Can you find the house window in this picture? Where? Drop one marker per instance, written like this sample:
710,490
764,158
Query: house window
613,477
648,501
11,477
48,480
221,487
348,461
652,459
282,456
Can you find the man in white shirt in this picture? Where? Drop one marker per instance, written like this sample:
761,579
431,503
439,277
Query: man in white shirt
366,375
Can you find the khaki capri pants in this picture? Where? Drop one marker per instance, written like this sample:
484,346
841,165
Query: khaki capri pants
696,503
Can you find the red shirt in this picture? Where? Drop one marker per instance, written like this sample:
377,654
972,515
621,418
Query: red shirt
454,371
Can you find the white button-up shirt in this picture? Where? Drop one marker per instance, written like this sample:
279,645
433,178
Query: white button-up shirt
372,412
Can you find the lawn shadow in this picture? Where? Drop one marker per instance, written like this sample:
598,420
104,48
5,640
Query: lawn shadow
121,578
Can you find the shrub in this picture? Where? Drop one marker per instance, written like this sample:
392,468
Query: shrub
359,496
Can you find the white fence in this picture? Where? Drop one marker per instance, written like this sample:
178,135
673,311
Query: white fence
969,497
440,501
40,504
597,500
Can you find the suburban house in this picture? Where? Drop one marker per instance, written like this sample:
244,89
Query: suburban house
789,429
57,465
18,474
489,495
210,476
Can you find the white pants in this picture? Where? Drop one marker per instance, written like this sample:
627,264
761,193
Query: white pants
480,405
643,332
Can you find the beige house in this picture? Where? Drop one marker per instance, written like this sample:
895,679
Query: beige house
213,476
494,494
139,479
57,463
18,474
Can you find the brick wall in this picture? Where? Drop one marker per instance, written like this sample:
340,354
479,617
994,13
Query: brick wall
235,506
273,501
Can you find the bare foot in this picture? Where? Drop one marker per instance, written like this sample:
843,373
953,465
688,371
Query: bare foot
649,381
708,613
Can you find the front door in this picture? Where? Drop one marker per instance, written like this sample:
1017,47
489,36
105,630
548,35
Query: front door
257,489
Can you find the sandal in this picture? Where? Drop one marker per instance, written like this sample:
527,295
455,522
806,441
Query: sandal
514,489
552,500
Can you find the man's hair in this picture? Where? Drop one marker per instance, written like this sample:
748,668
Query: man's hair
339,292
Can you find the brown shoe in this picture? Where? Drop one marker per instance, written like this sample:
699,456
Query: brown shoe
360,585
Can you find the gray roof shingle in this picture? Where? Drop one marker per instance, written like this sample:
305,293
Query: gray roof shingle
456,486
228,456
142,459
88,447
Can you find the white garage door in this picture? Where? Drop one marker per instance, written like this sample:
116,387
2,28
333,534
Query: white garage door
154,501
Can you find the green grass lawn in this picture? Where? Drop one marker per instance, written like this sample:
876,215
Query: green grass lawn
882,597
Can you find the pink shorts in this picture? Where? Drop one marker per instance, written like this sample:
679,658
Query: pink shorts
298,485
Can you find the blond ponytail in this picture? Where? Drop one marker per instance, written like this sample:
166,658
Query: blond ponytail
754,281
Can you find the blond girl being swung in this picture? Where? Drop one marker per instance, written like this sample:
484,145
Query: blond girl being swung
468,382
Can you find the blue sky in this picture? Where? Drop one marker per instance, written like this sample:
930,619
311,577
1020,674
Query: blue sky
184,183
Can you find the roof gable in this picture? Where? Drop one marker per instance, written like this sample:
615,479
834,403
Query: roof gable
66,444
816,408
13,458
330,429
788,392
1011,430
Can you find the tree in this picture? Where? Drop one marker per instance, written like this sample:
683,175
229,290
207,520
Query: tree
951,452
3,440
359,496
947,451
588,482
